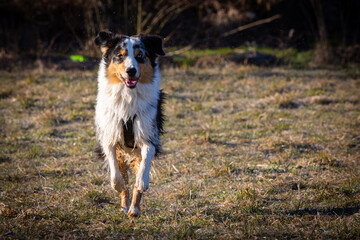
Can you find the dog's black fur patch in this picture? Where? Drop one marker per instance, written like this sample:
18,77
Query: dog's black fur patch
153,46
160,119
128,131
160,116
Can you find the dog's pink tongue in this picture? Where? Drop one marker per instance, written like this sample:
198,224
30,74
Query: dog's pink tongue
131,82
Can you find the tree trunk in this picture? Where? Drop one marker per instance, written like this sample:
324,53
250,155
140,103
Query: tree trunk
139,16
322,51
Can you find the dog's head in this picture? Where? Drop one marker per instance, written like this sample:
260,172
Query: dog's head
129,59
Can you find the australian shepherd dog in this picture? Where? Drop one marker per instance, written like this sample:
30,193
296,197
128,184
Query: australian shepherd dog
129,115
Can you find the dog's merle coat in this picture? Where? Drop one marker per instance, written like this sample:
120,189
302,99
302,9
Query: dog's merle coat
129,109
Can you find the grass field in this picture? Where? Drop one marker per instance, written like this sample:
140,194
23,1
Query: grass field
249,153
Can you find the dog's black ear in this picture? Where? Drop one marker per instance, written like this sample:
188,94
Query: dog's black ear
153,44
105,40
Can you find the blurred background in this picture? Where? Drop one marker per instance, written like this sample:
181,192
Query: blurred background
328,30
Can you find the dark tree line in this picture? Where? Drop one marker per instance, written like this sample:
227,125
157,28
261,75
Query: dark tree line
44,27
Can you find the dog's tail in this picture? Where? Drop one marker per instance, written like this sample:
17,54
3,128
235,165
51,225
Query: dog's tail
160,119
99,152
160,116
100,155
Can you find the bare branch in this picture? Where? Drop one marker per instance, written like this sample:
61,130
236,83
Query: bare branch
250,25
180,51
166,10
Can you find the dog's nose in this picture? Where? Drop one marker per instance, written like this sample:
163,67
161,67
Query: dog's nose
131,72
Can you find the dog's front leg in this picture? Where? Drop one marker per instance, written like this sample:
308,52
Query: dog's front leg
116,180
142,179
143,173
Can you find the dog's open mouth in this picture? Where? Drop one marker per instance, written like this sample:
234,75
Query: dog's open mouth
131,82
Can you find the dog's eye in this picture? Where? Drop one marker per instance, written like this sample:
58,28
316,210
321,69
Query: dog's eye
120,56
139,56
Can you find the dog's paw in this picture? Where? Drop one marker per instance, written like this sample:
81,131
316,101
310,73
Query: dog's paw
117,183
133,212
142,183
125,209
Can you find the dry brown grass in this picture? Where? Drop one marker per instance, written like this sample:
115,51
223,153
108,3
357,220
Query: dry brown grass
249,153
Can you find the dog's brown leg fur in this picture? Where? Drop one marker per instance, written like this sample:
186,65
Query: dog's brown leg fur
125,199
124,194
134,210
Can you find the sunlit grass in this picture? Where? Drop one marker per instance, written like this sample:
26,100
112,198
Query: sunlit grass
249,152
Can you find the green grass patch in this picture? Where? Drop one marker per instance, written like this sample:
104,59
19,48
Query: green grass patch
290,56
